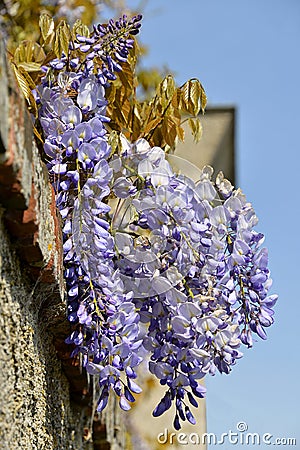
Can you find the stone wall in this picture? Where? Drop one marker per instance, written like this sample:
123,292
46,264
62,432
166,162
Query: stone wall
36,411
45,401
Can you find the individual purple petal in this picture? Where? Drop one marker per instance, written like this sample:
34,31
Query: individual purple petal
123,188
133,386
128,395
73,292
162,406
102,402
192,400
57,64
83,131
85,48
68,245
86,153
72,116
260,331
270,300
70,140
101,147
176,423
199,390
97,127
190,416
124,403
87,100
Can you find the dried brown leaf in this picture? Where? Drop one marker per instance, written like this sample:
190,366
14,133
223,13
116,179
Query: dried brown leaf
30,66
196,128
29,51
62,39
152,125
193,97
169,131
180,133
80,28
26,85
46,25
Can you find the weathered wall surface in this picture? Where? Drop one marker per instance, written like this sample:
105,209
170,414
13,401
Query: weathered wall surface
44,399
36,412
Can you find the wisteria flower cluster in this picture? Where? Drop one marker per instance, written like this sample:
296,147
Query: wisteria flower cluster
157,267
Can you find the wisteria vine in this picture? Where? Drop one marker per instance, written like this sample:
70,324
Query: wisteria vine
157,267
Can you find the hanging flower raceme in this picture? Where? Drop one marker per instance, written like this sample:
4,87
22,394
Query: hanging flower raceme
157,266
189,252
72,114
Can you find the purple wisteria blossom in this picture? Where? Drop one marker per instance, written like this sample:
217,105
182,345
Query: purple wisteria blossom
106,322
191,256
157,267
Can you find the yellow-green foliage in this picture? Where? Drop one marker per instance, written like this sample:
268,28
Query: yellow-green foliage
158,119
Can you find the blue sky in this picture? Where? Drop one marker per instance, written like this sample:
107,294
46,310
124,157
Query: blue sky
246,53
